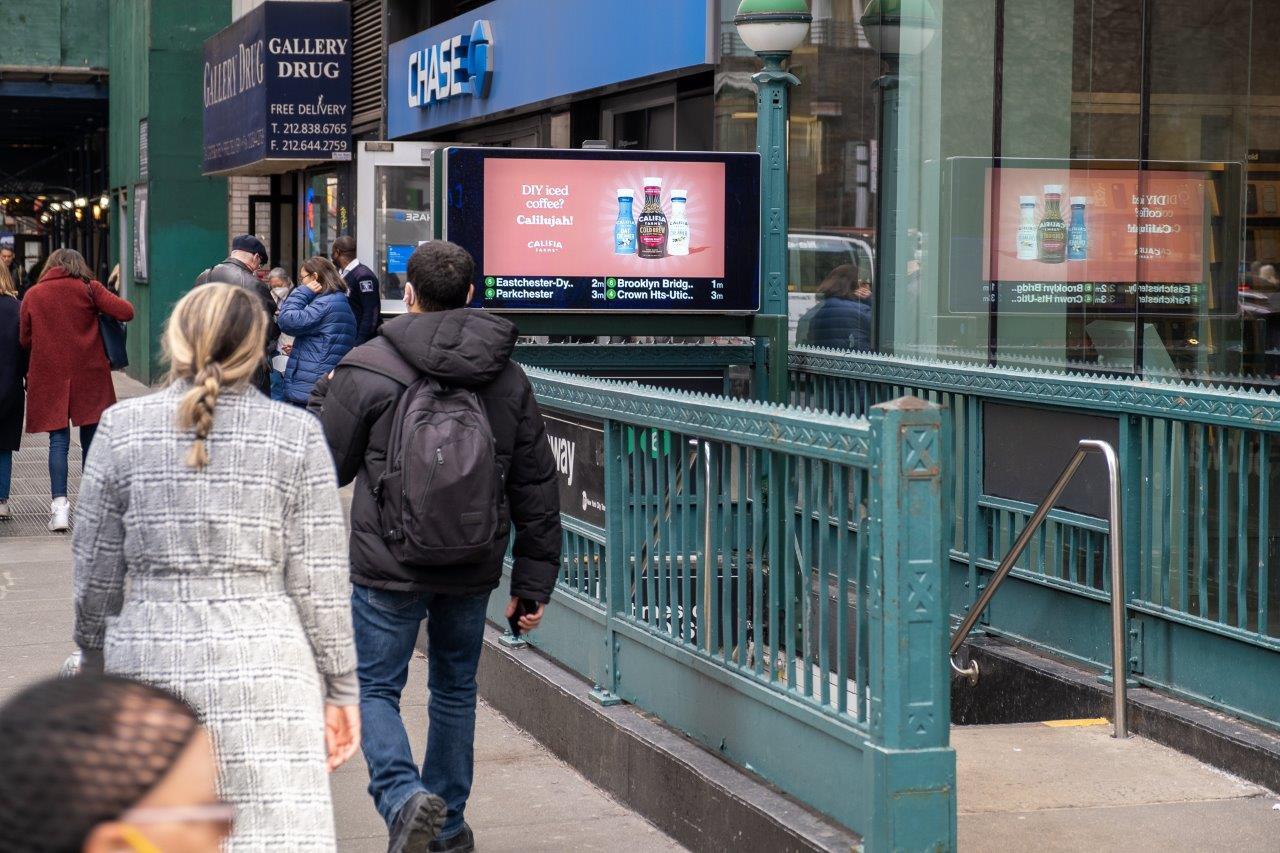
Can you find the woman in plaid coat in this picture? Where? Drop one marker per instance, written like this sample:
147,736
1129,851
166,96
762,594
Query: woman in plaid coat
211,560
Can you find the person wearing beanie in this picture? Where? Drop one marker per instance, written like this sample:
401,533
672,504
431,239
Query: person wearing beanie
247,255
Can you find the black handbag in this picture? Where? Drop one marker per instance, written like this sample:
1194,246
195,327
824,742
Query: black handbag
113,334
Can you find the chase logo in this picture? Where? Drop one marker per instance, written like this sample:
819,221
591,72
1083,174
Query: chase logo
457,66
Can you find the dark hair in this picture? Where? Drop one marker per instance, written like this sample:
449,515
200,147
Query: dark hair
841,283
81,751
323,269
345,246
441,274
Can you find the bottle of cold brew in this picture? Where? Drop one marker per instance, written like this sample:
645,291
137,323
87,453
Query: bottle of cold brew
652,223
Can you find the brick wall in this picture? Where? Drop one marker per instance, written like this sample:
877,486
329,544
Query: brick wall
238,191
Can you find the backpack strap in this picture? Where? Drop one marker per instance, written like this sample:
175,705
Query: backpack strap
379,356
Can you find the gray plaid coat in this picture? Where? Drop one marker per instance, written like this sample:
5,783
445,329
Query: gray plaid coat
228,586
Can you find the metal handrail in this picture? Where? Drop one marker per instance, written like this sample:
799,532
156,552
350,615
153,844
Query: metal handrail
1119,611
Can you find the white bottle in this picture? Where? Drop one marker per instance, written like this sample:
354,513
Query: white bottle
678,239
1027,228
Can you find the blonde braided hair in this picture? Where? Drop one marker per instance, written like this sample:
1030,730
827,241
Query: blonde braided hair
214,339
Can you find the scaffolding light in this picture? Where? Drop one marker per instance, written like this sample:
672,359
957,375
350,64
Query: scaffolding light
97,211
103,201
82,202
44,217
79,214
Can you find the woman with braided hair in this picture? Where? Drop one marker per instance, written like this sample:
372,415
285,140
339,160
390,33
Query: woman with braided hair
211,560
104,764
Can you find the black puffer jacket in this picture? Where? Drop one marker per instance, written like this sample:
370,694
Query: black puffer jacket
468,348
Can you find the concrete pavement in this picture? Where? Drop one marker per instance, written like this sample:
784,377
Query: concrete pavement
1054,787
524,798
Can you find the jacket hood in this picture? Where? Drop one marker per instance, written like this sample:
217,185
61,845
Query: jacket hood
465,346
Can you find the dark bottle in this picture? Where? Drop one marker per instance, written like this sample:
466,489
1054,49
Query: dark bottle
652,224
1052,234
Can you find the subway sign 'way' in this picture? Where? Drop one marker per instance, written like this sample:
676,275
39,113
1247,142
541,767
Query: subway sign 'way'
461,65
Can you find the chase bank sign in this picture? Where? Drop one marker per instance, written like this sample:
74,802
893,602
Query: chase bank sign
444,76
461,65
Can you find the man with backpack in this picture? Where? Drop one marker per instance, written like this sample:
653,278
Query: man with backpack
442,434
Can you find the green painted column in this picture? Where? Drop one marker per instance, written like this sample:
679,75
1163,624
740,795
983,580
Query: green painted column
911,767
157,66
774,85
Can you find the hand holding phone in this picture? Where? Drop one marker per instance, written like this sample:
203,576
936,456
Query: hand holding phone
523,615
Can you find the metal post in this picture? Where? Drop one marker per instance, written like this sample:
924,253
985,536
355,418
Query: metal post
1119,593
911,766
773,85
886,213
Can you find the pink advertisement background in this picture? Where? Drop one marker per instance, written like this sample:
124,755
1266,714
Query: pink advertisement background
1110,211
593,204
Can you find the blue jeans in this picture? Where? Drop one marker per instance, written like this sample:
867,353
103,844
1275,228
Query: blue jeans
386,627
277,386
59,445
6,473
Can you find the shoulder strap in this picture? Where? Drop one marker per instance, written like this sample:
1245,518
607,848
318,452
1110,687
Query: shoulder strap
379,356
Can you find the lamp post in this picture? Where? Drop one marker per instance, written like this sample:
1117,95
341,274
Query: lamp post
772,29
895,28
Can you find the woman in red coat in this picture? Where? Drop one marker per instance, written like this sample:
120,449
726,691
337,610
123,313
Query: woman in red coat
69,377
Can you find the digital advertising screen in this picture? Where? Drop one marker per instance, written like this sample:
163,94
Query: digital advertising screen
615,231
1034,236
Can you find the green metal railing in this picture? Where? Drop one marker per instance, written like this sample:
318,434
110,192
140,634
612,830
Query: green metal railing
1202,528
770,581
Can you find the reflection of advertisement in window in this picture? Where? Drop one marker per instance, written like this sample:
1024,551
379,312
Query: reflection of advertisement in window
1039,236
1106,227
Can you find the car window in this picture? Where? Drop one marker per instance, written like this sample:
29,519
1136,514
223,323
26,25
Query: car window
813,257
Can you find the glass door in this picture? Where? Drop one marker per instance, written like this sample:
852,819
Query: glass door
394,192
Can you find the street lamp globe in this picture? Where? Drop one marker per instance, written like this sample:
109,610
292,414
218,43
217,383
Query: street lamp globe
772,26
899,27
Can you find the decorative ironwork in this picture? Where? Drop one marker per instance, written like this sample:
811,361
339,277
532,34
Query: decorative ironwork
771,427
1217,404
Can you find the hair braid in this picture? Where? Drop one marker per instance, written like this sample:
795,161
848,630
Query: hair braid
214,340
203,396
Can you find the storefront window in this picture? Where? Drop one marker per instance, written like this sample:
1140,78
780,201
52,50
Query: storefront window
1088,185
833,147
402,220
320,220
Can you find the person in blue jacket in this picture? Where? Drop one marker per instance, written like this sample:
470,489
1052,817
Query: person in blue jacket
323,326
362,288
842,317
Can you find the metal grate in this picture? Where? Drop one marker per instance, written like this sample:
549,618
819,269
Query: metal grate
368,56
29,492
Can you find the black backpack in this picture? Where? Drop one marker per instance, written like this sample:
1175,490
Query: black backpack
439,496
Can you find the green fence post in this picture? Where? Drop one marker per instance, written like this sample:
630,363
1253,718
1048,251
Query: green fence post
912,766
605,691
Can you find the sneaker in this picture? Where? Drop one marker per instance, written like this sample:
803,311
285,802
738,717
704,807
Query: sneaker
459,842
5,512
60,515
416,825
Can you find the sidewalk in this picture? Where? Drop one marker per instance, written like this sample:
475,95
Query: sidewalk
524,798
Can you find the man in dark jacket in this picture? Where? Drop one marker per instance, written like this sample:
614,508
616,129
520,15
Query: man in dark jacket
247,254
362,288
463,348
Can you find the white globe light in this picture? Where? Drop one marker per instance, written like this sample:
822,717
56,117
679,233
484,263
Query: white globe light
781,37
772,26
